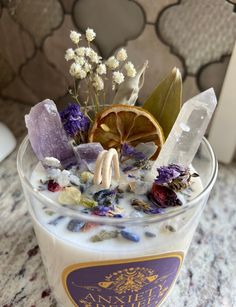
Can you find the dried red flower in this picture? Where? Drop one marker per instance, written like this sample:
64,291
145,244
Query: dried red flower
53,186
163,196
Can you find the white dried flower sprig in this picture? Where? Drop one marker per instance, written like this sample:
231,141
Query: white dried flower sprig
117,78
75,37
90,35
112,63
88,65
121,55
130,70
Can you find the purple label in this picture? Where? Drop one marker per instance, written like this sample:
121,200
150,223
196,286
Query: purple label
139,282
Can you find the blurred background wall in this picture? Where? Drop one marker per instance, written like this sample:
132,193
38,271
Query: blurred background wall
196,36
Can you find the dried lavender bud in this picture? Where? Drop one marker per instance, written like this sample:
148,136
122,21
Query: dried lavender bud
74,121
142,206
175,176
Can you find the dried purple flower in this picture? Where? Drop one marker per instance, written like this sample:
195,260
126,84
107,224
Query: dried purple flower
175,176
129,151
101,210
105,197
163,197
74,120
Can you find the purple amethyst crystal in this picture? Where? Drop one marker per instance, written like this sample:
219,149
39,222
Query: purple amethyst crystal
87,154
46,133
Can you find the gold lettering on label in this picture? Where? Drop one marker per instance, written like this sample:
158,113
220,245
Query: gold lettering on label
90,297
102,299
138,297
119,299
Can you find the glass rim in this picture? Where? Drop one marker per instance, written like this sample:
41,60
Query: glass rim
170,213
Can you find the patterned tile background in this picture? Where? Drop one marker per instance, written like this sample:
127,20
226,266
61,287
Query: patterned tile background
196,36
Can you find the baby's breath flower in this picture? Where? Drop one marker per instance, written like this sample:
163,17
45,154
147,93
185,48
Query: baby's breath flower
82,74
69,54
87,51
112,63
79,60
74,69
130,70
80,51
75,37
118,77
101,69
94,57
87,67
90,34
121,55
98,83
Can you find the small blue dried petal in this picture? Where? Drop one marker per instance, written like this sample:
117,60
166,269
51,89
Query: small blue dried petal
117,216
149,234
55,221
130,236
75,225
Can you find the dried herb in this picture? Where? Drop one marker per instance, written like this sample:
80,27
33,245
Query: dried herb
104,235
149,234
147,208
165,101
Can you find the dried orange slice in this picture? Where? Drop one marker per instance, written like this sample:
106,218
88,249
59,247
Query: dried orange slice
119,124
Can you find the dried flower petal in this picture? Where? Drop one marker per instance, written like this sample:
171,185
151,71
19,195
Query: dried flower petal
53,186
147,208
88,226
74,121
105,197
167,173
163,196
129,151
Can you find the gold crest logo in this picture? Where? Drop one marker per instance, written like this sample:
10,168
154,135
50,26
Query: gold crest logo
131,279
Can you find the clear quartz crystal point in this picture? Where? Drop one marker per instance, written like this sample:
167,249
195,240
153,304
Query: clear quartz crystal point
188,130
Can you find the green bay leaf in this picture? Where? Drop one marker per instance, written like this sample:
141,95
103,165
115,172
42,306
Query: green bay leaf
165,101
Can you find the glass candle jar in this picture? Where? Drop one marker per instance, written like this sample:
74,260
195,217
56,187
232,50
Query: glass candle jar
113,272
